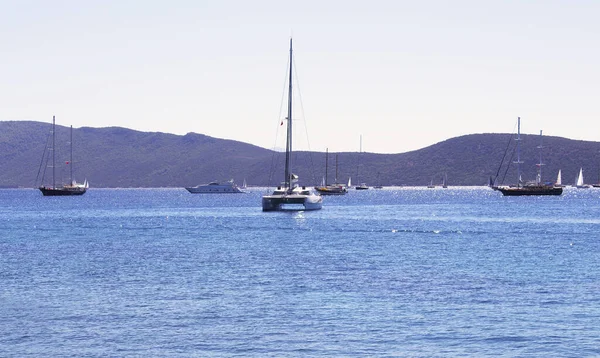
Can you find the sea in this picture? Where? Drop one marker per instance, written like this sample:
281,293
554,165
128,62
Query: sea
396,272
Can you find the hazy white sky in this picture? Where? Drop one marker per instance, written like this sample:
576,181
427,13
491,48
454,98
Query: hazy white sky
403,74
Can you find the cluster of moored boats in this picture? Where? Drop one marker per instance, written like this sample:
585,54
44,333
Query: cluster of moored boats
536,187
289,195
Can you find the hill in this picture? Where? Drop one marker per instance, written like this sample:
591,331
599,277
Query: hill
120,157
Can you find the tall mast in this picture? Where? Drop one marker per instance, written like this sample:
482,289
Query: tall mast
358,161
288,147
539,175
518,162
336,168
326,166
53,154
71,159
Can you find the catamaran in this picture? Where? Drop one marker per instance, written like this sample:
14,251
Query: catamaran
290,196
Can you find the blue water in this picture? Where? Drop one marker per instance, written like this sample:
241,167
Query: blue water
385,273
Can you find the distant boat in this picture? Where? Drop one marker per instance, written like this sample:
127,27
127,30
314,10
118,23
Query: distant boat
431,185
70,189
579,182
244,185
443,182
228,187
362,186
378,186
330,189
531,188
558,182
289,195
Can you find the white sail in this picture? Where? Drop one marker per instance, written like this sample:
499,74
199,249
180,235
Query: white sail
558,178
580,178
349,182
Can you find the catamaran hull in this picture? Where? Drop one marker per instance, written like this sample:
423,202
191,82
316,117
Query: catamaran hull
291,202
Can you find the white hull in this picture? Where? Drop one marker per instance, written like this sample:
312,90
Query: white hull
290,196
297,199
215,188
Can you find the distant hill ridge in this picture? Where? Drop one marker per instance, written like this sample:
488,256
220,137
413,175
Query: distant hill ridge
121,157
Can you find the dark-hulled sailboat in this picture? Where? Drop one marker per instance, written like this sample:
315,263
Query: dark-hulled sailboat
536,187
331,189
70,189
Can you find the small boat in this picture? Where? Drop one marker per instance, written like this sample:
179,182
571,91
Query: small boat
579,182
530,188
431,185
362,186
290,196
443,184
558,182
72,188
214,187
330,189
378,186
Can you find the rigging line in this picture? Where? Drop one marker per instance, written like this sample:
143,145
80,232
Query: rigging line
504,155
274,149
512,155
42,161
310,155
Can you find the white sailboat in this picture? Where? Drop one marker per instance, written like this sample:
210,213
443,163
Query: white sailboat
289,195
362,186
559,179
579,183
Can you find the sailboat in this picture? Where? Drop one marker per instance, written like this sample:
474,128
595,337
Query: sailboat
362,186
289,195
431,185
331,189
72,188
378,186
531,188
579,183
559,180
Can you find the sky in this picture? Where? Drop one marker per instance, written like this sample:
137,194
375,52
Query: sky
401,75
